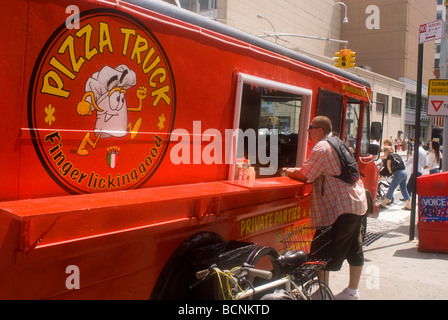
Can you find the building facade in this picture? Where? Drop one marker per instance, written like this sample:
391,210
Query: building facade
387,43
384,36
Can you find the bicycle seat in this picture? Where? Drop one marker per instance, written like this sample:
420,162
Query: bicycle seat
293,259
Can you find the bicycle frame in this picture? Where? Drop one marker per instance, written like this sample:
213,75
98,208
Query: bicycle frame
240,273
272,285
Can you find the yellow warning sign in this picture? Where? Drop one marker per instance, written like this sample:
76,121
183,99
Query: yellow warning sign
438,97
438,88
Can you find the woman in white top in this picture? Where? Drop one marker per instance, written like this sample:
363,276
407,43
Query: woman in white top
433,158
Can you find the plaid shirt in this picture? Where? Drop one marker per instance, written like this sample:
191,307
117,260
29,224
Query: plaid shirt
331,196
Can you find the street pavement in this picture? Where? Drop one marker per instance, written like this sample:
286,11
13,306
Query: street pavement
394,269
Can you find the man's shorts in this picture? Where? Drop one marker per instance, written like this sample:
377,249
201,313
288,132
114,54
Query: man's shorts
346,242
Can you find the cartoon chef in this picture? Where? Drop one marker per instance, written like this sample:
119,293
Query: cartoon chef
106,94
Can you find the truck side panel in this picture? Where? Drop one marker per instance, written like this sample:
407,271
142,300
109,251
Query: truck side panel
11,81
117,262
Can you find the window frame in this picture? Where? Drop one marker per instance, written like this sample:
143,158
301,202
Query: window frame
385,99
396,110
307,96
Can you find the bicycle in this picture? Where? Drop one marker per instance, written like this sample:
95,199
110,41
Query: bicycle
383,186
293,277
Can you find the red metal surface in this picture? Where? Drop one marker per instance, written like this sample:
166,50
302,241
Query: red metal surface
138,227
433,235
61,202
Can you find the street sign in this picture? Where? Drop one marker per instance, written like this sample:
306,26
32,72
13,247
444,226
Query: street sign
438,97
431,31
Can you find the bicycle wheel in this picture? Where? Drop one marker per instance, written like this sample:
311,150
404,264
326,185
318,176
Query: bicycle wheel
317,290
382,191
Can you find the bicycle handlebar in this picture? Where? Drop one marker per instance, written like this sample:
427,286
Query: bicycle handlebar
260,273
239,272
203,273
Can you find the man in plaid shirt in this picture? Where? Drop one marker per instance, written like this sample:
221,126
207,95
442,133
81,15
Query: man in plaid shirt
334,203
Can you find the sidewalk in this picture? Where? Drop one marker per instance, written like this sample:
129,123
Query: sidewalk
394,269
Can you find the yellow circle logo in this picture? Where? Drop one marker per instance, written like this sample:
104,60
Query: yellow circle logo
102,104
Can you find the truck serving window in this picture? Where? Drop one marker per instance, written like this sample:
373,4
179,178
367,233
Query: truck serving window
270,125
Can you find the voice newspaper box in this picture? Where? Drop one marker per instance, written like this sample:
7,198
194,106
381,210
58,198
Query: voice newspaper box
432,192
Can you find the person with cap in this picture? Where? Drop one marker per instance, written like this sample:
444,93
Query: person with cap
334,203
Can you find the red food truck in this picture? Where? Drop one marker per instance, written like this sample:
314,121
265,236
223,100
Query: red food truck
127,131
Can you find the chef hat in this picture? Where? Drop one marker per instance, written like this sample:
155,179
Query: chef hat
106,79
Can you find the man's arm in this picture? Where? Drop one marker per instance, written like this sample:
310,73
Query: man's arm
296,174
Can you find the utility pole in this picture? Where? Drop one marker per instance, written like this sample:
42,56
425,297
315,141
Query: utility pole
416,141
444,75
427,32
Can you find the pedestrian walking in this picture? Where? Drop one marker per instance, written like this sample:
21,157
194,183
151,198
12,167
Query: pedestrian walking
420,165
410,149
433,158
397,168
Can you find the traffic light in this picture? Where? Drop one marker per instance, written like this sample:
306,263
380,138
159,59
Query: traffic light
337,59
341,59
351,59
345,58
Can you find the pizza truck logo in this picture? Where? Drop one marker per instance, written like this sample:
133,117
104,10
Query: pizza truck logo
102,104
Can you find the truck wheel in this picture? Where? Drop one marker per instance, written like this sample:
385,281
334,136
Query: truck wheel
179,272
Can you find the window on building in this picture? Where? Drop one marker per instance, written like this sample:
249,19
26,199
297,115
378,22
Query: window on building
410,101
385,103
186,4
207,8
396,106
437,63
439,15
